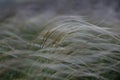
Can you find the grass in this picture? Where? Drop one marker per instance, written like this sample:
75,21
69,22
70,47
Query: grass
65,48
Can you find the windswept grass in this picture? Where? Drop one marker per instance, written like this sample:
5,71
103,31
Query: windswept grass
65,48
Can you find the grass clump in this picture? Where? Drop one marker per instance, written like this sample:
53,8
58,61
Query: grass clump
65,48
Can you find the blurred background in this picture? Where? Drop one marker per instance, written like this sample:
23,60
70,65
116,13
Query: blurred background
100,12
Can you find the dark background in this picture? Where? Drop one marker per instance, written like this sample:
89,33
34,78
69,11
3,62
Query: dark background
103,11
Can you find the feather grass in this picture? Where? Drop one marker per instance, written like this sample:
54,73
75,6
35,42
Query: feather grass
65,48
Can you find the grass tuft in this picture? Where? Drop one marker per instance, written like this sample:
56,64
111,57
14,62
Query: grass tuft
65,48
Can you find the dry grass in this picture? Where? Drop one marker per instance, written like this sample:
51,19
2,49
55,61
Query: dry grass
65,48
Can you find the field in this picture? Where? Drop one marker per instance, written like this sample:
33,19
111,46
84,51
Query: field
58,47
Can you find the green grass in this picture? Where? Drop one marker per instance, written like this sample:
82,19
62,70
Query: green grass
65,48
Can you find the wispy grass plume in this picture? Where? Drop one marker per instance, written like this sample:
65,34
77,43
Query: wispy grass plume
65,48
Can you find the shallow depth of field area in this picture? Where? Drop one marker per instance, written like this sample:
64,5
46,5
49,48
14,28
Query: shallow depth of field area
57,47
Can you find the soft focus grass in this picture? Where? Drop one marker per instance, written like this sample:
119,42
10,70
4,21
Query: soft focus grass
64,48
